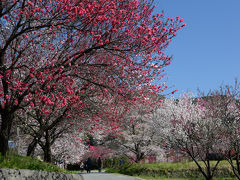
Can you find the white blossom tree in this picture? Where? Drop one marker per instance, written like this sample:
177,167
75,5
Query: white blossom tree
225,105
186,126
69,149
138,140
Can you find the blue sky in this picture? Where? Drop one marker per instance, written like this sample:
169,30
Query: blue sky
206,52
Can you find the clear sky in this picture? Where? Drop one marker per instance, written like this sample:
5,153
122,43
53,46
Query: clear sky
206,52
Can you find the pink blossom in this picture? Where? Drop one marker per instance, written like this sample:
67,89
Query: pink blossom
31,103
97,37
30,3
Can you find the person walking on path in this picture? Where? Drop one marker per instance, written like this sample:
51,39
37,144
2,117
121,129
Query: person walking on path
89,165
99,162
82,167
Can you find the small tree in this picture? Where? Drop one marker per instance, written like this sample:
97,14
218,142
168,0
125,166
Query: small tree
187,127
69,148
138,140
225,105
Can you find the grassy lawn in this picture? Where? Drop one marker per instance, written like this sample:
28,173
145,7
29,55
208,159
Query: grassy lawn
154,171
173,170
165,178
14,161
168,178
181,165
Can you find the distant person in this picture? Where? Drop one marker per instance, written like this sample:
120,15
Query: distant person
89,165
121,162
82,167
99,163
85,165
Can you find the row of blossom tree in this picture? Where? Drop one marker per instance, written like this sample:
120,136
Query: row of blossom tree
196,127
67,61
203,128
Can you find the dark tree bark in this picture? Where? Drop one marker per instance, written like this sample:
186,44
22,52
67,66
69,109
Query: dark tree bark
31,147
6,125
46,148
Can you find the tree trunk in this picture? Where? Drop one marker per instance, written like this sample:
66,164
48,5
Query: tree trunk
47,156
3,141
139,155
47,149
5,130
31,147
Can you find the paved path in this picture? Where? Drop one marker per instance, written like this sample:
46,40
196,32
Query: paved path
94,175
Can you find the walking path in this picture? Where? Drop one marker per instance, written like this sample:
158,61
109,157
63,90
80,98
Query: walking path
94,175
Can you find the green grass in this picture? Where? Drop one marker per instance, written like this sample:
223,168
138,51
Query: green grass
154,171
145,177
170,170
14,161
70,172
166,178
181,165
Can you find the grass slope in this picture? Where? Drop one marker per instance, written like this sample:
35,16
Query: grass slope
166,170
14,161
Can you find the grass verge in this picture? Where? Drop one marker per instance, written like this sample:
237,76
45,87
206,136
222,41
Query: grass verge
170,170
14,161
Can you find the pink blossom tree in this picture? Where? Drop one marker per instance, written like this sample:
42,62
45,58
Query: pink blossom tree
107,46
47,115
